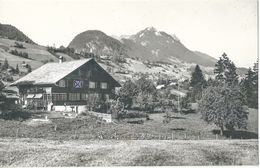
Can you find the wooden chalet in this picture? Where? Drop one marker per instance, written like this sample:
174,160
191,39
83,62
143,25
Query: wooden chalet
65,86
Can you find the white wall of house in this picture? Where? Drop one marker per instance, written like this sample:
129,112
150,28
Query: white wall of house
79,108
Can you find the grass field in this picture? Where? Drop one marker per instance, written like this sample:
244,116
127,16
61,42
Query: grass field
181,126
84,141
41,152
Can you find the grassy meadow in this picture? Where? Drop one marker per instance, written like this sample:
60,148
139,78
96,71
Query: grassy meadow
41,152
180,126
185,140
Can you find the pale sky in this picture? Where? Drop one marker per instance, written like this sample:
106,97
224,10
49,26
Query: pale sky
209,26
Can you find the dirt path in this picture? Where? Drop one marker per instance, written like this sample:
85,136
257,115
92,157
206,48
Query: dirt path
40,152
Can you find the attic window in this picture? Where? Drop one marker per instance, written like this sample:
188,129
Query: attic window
62,83
103,85
80,73
88,74
92,85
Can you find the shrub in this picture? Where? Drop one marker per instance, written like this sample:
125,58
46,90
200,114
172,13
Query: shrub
116,109
20,54
101,106
46,61
18,45
9,79
14,112
16,115
134,114
136,122
119,59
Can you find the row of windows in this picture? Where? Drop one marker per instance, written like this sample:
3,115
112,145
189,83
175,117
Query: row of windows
76,96
59,97
79,84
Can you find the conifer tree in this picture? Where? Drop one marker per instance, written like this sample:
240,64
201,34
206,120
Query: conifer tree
250,88
17,69
5,65
225,71
29,69
197,83
197,77
231,74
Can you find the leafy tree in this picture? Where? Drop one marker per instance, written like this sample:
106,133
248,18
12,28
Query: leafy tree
145,85
127,93
222,102
223,106
250,88
116,109
142,92
146,93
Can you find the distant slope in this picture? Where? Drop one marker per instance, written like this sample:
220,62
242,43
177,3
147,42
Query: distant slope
16,60
35,52
241,71
97,42
38,55
11,32
205,58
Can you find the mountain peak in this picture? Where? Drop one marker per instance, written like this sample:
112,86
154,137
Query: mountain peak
151,28
97,42
147,32
12,33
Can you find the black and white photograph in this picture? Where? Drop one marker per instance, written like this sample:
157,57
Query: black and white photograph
101,83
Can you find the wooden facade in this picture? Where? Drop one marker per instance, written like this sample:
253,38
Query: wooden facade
81,86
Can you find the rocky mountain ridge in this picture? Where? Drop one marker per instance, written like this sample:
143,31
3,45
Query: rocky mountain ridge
147,45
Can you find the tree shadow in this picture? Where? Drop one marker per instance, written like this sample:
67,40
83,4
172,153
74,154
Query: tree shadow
39,114
177,117
177,129
237,134
16,115
188,111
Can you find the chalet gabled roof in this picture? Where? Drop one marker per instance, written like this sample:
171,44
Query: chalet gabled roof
50,73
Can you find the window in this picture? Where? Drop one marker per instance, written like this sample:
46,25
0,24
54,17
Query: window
80,73
77,84
74,96
59,97
84,96
89,73
93,96
103,85
92,85
62,83
46,97
107,96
